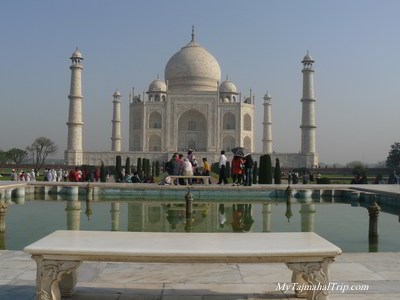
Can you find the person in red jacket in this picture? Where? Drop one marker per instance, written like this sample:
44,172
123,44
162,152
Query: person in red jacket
237,170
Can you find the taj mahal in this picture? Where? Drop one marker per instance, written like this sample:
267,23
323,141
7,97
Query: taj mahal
190,109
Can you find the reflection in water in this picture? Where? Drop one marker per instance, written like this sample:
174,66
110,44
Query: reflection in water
242,219
307,213
88,210
163,216
114,216
288,213
221,215
266,212
73,210
373,211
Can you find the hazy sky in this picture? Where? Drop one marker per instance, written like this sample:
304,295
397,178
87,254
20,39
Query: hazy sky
259,44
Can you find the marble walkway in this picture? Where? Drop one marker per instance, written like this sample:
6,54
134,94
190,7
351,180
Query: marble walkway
138,281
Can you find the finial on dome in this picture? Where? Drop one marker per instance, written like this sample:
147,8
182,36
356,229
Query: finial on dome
158,76
192,33
226,76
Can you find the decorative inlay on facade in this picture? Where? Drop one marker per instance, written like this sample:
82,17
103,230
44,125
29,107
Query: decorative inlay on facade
181,108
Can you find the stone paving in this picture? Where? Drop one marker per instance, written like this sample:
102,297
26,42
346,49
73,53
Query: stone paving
139,281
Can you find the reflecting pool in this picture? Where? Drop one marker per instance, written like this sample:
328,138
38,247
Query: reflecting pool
344,224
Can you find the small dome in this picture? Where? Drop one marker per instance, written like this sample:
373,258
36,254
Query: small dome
158,86
77,54
267,96
117,94
194,68
227,87
307,58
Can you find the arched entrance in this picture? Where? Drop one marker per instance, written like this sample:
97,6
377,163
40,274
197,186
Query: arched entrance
192,131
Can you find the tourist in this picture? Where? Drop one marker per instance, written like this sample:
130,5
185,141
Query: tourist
357,179
379,179
65,175
206,169
222,167
28,176
59,175
33,175
49,175
13,175
136,178
237,171
248,167
393,179
22,176
187,170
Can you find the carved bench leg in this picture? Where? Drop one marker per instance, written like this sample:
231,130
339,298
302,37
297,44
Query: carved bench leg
311,279
50,273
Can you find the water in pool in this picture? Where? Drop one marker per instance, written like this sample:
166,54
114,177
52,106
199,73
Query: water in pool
344,224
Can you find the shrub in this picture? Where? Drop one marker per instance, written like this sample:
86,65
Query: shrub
323,180
103,175
157,168
118,169
277,172
128,166
255,173
265,171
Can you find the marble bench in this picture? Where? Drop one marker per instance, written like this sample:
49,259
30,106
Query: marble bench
205,178
59,254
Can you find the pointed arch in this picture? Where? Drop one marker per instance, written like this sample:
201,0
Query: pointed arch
192,131
247,122
247,143
229,121
155,120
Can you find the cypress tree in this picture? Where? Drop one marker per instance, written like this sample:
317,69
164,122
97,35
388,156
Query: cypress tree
153,169
139,165
128,166
157,168
265,171
118,169
228,169
103,176
255,173
147,169
277,172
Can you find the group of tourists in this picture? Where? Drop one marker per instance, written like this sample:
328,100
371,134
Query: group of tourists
187,166
23,176
242,169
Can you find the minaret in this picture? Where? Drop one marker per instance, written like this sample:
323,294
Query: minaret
116,123
308,126
74,155
267,136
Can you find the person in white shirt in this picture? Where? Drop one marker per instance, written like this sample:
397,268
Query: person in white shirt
222,167
187,169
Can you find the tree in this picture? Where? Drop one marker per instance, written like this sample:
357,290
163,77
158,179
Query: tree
277,172
157,168
128,166
359,170
255,173
103,175
40,149
393,158
118,169
16,155
3,157
265,170
139,165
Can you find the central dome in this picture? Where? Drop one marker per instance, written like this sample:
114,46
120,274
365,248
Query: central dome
193,68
